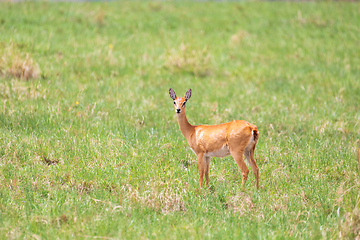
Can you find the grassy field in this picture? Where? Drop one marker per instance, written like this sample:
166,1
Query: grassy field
89,142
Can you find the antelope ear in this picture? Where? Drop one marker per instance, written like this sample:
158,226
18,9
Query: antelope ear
172,94
188,94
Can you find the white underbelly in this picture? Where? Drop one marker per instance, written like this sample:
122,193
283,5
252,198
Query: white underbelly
222,152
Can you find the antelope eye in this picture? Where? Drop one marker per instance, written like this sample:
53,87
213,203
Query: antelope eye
174,102
183,104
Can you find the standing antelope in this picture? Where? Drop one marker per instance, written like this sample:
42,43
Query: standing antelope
236,138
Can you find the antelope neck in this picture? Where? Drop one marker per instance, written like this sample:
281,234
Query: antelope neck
185,127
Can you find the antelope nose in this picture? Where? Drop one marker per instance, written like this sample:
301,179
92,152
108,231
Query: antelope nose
178,110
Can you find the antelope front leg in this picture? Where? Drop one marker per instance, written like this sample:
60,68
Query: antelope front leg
207,169
201,166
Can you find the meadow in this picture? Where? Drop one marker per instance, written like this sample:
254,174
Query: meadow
90,147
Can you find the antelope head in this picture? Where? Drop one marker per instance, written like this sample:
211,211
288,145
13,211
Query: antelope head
179,102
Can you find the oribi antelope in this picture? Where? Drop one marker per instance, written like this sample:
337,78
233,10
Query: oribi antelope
235,138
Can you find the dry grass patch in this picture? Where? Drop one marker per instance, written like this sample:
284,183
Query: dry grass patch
23,68
22,90
49,161
164,200
350,227
13,64
190,60
238,37
241,204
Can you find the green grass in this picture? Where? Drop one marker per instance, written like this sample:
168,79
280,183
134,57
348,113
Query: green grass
96,106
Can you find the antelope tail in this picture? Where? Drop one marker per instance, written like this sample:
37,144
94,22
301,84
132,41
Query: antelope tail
255,134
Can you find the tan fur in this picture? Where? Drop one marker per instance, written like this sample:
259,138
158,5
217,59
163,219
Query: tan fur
236,138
